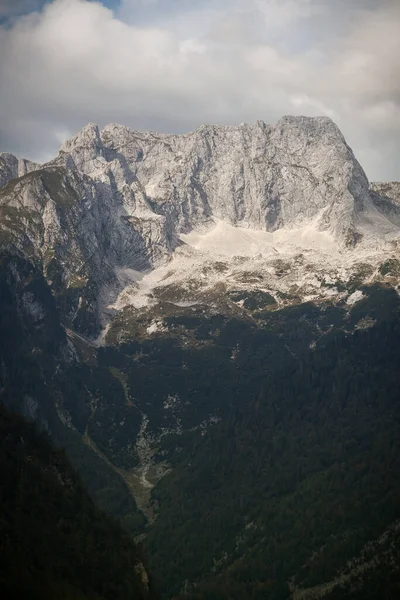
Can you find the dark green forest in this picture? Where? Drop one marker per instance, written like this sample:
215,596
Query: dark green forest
54,542
299,475
36,364
284,468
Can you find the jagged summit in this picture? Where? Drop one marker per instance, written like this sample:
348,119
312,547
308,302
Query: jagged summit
116,205
12,167
258,176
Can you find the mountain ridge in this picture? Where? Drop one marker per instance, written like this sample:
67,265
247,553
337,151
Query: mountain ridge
279,465
117,204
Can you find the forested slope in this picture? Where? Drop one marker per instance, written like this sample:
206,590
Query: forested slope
54,542
302,474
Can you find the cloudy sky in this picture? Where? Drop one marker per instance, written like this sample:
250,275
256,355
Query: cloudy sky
171,65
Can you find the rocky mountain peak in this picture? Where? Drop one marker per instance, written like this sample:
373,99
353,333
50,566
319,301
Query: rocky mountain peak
87,137
258,176
83,150
118,201
12,167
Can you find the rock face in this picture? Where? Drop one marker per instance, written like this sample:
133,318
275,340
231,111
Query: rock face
257,176
251,254
12,167
120,200
388,189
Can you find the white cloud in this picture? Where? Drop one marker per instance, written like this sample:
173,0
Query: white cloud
224,62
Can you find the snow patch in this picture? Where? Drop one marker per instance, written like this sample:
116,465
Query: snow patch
226,240
355,297
301,264
155,326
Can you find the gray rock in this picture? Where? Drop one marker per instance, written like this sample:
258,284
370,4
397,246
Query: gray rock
386,197
120,199
390,190
258,176
12,167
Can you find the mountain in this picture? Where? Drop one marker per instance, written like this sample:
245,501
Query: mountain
114,205
12,167
50,374
209,323
55,543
